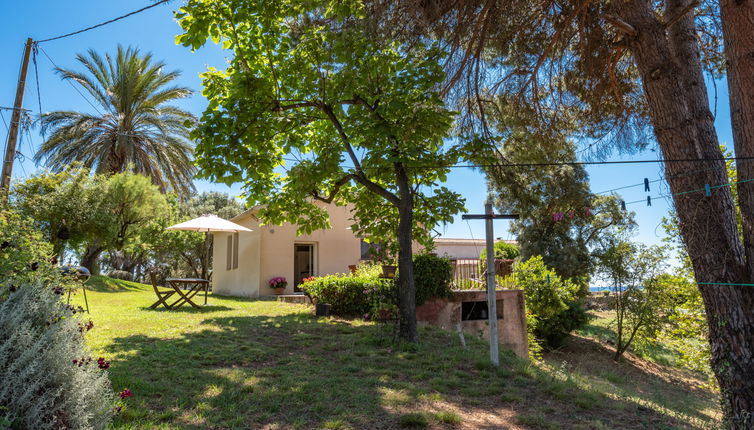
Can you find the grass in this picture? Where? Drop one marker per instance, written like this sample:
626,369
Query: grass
243,363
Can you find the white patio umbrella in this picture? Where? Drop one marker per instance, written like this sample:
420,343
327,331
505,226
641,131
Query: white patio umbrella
207,224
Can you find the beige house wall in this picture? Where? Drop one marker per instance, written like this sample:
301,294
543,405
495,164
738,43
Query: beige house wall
268,252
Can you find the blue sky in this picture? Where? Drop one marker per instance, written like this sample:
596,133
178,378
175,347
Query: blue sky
155,30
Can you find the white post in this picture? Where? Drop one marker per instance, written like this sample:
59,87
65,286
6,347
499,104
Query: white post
491,295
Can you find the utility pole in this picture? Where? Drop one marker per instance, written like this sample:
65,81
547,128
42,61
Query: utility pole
15,122
491,287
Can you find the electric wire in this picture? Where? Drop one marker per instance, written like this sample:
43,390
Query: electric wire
73,33
71,83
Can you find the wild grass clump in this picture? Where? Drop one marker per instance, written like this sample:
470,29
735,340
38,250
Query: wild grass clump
48,379
413,420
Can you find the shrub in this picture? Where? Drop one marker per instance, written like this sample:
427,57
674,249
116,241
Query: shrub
24,254
433,277
48,381
364,291
120,274
350,295
552,303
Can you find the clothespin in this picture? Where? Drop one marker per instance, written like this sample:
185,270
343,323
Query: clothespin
646,184
649,201
707,190
587,212
623,204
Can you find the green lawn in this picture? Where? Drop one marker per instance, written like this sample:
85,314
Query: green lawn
259,364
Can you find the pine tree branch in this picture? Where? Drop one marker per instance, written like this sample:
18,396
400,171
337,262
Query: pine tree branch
667,22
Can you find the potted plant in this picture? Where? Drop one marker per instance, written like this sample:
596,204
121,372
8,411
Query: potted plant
388,270
278,284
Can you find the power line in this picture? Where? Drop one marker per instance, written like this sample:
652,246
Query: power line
678,175
104,23
661,196
582,163
71,83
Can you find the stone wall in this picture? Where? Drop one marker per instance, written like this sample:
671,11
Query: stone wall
449,313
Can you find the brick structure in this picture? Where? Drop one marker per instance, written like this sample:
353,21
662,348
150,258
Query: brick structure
469,309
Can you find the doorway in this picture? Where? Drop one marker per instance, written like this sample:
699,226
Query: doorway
303,263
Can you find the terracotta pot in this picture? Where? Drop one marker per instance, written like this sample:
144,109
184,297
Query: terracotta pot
279,291
385,314
388,271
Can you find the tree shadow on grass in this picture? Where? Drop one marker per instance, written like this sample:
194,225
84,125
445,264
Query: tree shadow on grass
678,390
299,371
203,309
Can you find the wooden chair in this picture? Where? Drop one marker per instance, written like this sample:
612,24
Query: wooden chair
162,295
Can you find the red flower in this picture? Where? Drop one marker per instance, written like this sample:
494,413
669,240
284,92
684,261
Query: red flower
126,393
104,365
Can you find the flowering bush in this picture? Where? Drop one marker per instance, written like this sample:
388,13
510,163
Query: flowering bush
278,282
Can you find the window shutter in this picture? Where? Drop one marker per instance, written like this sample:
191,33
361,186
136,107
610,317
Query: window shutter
235,250
229,257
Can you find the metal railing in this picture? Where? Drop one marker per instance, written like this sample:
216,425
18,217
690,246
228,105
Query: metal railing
469,273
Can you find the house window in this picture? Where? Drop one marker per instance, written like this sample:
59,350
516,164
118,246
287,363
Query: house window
229,256
235,250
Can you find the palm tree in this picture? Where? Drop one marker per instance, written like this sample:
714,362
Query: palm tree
134,129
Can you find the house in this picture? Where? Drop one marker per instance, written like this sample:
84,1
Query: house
245,262
458,249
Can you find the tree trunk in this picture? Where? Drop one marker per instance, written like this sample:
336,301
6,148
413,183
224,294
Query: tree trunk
679,109
733,326
406,285
90,257
738,29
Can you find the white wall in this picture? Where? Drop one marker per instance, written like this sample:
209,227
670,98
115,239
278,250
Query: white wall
243,281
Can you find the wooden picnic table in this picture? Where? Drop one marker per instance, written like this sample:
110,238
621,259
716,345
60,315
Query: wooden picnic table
193,287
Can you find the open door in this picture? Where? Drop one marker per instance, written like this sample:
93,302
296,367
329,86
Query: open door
303,263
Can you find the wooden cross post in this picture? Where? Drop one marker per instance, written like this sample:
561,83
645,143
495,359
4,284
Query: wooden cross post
491,287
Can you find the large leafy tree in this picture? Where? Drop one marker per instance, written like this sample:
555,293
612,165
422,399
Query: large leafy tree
560,218
91,214
313,108
135,127
61,204
626,71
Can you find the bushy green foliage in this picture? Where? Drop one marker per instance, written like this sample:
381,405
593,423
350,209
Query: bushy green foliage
364,291
48,379
503,250
433,276
552,304
684,327
24,254
351,295
97,213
